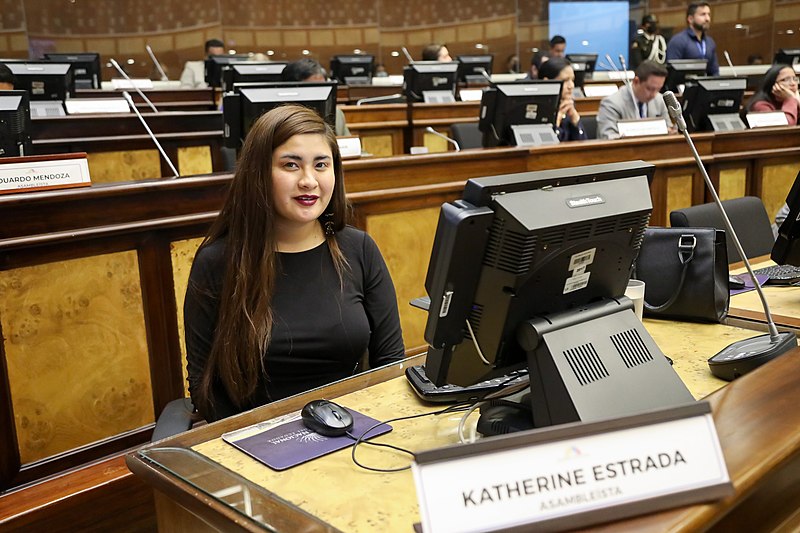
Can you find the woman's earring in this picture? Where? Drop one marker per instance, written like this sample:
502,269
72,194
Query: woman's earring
327,224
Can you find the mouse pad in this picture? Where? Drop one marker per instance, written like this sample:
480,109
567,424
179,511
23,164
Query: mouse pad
748,283
291,443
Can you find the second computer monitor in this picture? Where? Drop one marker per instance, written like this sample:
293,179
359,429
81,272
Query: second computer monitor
15,124
429,76
475,68
583,66
787,56
680,69
517,104
44,80
707,98
251,72
85,66
242,108
356,69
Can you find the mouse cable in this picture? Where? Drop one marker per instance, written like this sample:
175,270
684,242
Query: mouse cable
360,439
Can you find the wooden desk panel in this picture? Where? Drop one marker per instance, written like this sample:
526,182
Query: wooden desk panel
759,440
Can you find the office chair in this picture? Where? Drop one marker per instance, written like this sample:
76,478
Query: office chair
467,135
176,417
589,123
749,219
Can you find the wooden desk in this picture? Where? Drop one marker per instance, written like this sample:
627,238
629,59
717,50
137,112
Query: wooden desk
163,99
760,441
784,303
119,146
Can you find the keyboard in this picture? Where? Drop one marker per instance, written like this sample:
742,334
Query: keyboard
780,274
429,392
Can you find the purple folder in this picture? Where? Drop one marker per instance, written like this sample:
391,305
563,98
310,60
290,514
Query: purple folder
291,444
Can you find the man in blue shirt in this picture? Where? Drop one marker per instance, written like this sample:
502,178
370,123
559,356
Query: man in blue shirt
694,43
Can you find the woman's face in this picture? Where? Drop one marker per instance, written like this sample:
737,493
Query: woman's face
787,79
568,76
302,179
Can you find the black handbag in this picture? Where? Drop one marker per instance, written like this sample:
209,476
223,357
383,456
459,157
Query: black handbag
685,271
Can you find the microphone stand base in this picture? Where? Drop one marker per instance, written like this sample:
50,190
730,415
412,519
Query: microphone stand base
743,356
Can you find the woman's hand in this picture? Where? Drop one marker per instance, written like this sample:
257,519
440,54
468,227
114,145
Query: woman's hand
782,93
566,110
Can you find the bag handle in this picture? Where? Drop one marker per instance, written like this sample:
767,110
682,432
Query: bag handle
686,245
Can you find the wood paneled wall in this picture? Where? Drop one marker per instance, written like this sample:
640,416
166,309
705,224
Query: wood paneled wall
122,28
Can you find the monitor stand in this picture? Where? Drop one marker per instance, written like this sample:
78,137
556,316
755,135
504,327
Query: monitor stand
727,122
438,97
534,135
592,363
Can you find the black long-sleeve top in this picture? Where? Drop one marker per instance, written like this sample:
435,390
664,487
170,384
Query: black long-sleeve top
320,330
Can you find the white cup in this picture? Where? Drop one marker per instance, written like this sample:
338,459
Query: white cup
635,291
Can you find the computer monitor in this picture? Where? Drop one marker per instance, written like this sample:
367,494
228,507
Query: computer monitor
517,104
424,76
44,80
85,66
706,99
472,67
214,65
243,107
680,69
786,250
583,66
15,124
787,56
353,69
251,71
549,252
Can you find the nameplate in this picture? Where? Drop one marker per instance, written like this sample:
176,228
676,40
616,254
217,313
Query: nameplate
599,89
642,127
470,95
769,118
574,475
77,106
349,147
141,83
24,174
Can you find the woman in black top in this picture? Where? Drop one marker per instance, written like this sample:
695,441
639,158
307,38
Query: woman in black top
568,124
283,296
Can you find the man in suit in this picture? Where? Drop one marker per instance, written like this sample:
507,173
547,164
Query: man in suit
193,75
642,99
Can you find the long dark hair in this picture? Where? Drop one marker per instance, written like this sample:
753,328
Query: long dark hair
764,92
247,222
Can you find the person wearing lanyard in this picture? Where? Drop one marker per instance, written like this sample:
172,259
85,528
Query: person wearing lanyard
695,43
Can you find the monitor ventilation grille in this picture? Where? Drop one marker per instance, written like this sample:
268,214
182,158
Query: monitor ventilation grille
585,364
475,317
631,348
509,251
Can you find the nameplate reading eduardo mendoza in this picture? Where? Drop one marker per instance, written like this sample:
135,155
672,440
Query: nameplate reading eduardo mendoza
29,174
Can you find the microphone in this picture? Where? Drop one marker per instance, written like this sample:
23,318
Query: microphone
762,348
408,56
730,63
625,72
482,72
127,97
378,98
445,137
157,64
138,90
615,69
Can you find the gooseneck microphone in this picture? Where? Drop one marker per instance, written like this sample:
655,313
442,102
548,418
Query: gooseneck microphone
408,56
623,74
373,99
127,97
138,90
756,350
156,63
445,137
730,63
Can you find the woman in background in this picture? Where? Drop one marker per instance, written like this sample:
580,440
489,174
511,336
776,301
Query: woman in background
568,122
283,296
778,92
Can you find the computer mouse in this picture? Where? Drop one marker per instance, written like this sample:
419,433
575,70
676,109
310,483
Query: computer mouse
326,418
735,282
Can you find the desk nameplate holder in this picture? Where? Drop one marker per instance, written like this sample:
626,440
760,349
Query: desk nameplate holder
642,126
349,146
44,172
768,118
574,475
141,83
534,134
